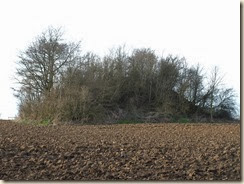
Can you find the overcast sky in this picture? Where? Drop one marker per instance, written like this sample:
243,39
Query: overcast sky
205,32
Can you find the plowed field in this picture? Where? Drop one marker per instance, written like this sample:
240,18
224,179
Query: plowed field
120,152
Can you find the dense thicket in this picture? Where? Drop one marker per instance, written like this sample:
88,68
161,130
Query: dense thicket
60,83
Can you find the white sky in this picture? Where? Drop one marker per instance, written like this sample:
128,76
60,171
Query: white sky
205,32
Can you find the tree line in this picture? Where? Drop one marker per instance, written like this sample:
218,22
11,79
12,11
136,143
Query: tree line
60,83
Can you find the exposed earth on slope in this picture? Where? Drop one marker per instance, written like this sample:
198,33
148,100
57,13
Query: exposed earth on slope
120,152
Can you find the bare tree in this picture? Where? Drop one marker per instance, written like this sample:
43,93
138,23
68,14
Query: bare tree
213,89
226,106
166,81
142,67
42,62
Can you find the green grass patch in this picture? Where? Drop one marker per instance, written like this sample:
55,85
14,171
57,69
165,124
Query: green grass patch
128,122
183,120
43,122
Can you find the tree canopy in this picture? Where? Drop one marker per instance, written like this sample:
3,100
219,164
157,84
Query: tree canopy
60,83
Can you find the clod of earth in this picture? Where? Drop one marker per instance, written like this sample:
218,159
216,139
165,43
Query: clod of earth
120,152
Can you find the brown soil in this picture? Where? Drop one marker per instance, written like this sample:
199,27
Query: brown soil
120,152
